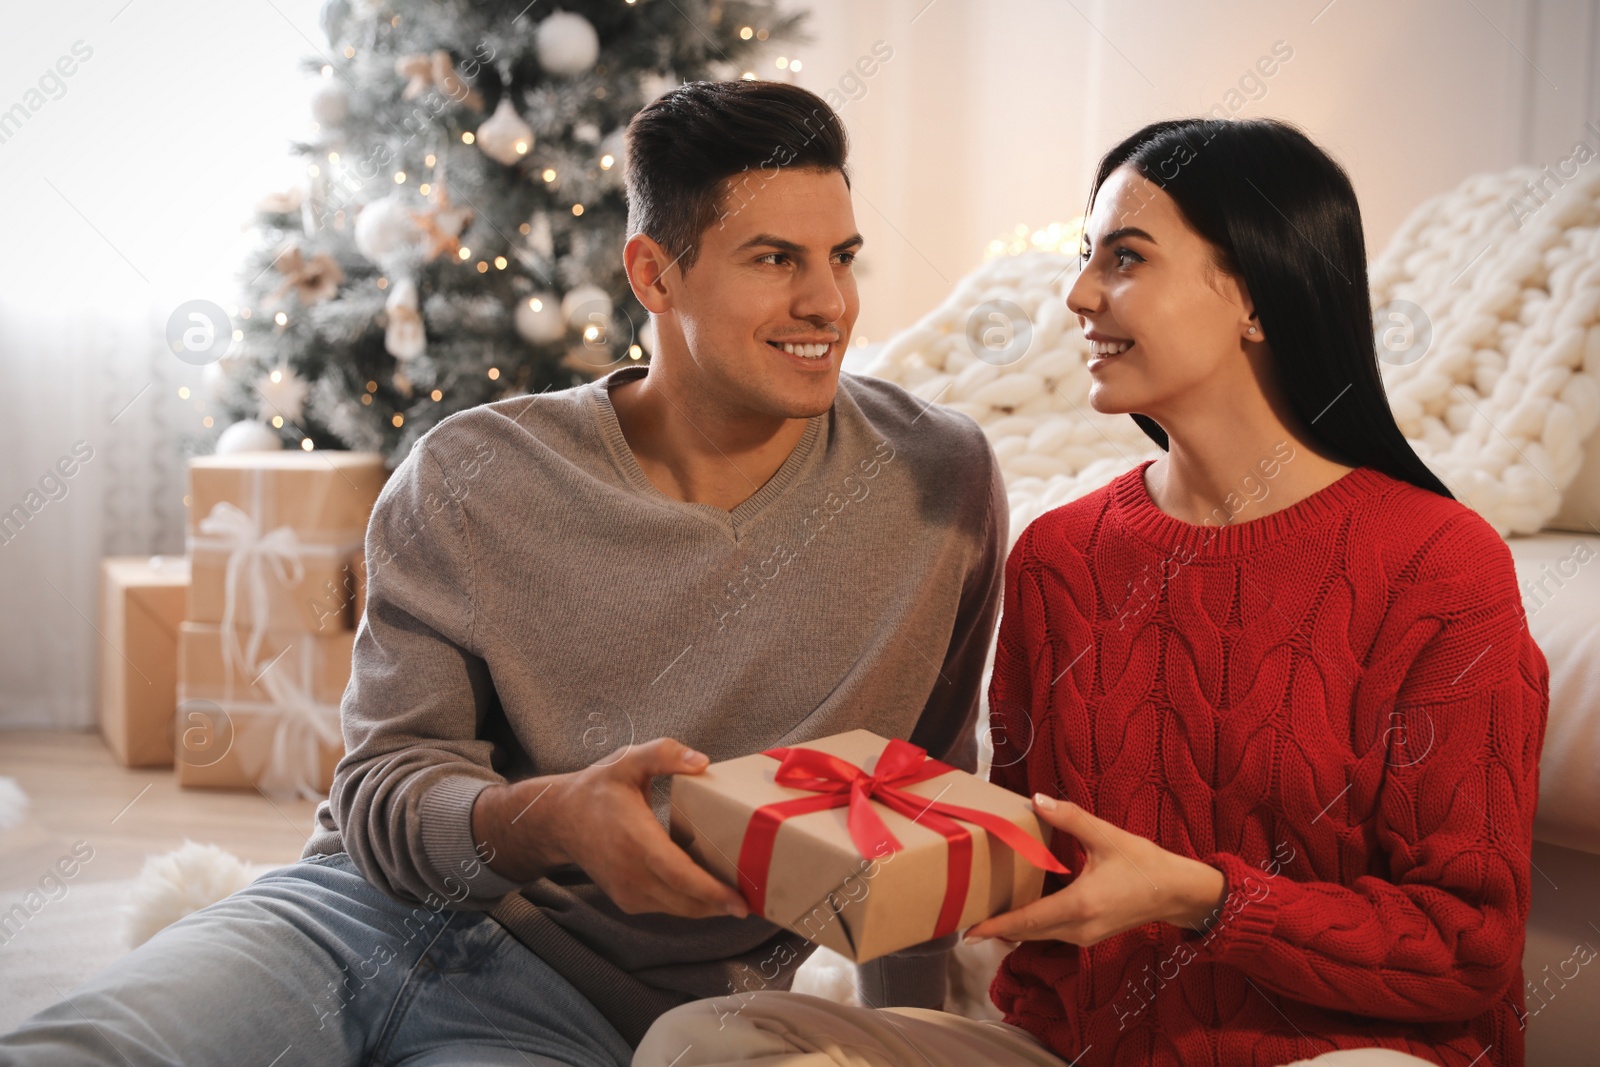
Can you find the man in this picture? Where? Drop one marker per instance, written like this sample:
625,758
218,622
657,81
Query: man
574,595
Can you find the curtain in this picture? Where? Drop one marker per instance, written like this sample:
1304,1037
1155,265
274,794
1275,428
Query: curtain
92,466
136,141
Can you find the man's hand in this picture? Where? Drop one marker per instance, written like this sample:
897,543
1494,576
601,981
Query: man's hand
1126,881
600,819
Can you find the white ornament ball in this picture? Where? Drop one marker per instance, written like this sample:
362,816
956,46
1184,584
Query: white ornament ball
582,303
566,44
248,436
385,229
504,137
653,85
538,318
330,104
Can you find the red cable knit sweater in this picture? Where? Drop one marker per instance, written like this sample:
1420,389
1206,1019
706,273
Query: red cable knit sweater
1339,706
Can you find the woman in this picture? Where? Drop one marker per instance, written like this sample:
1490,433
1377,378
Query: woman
1274,689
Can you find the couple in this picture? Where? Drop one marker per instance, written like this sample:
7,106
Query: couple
1293,773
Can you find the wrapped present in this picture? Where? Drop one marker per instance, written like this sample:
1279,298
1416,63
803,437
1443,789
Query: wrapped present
271,536
272,723
864,861
142,602
313,594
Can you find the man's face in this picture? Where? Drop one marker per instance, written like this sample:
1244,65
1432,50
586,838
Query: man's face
767,308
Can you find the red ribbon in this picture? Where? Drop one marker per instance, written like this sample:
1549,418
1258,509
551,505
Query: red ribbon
839,783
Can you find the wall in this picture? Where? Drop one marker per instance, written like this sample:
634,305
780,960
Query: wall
994,113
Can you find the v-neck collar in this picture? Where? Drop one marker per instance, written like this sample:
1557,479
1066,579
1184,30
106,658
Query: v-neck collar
628,465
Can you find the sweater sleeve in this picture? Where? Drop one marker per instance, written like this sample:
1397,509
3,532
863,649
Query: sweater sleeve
418,697
1446,793
916,977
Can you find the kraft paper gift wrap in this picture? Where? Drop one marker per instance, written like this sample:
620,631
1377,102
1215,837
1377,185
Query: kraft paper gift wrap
272,724
819,880
142,602
280,529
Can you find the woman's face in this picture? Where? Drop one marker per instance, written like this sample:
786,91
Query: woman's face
1168,326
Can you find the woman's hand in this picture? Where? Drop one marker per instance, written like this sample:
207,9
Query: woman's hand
1126,881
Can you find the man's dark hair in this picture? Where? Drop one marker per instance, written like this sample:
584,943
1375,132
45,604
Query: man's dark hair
704,141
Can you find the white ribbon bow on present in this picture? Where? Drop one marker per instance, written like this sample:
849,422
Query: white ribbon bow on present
304,727
250,554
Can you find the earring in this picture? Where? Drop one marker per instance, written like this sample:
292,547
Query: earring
1252,329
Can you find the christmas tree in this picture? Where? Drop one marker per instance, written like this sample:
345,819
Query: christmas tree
458,237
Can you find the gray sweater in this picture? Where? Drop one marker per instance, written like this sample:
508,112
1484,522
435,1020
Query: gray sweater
534,602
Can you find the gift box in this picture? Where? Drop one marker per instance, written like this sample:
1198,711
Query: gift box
278,530
862,844
262,716
142,603
316,598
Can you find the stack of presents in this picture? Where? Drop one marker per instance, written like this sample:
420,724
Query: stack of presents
228,665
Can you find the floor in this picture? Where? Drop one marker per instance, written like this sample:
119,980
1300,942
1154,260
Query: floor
82,800
79,793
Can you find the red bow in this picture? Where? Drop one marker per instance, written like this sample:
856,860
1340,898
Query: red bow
839,783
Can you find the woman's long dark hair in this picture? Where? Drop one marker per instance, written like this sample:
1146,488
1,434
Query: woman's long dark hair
1284,220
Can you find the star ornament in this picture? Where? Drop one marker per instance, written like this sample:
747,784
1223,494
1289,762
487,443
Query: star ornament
442,227
282,392
427,70
313,280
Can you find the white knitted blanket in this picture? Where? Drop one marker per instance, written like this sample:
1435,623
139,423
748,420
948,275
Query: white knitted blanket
1502,401
1496,382
1052,446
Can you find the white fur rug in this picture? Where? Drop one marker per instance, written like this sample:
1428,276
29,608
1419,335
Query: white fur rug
1497,391
177,883
67,941
93,923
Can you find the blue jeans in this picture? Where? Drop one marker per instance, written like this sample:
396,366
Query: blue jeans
311,964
